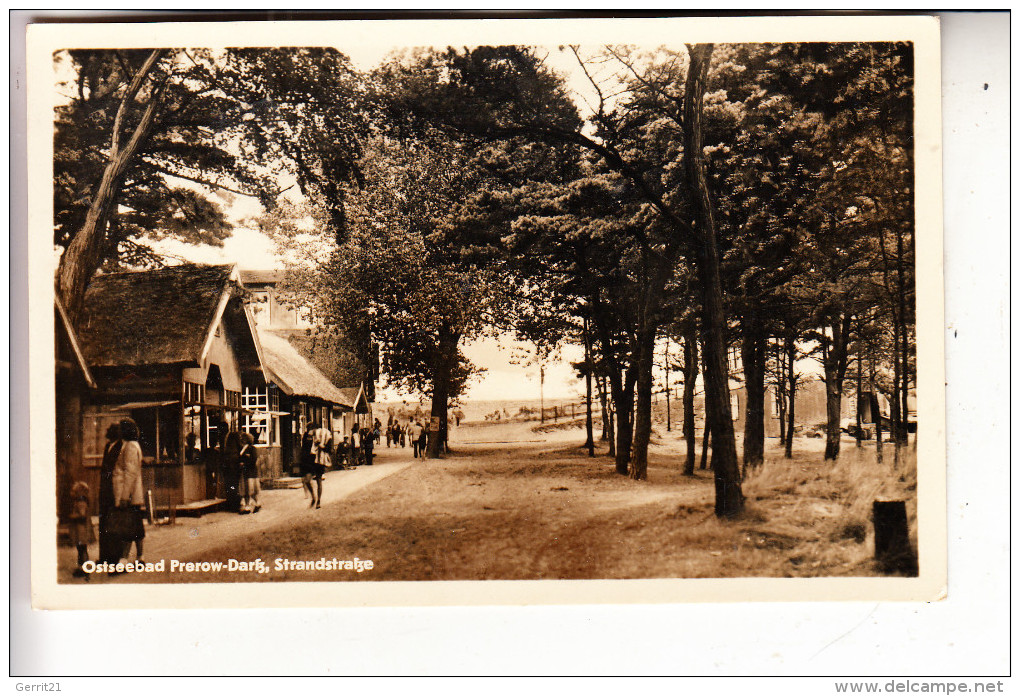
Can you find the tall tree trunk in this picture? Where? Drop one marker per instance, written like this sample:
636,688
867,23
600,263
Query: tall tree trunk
612,431
690,377
896,307
895,416
781,390
791,357
84,254
834,364
729,499
622,390
643,412
589,429
752,349
442,371
706,439
904,336
607,427
857,410
669,415
876,415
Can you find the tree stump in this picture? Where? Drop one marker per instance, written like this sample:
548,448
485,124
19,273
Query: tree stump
893,552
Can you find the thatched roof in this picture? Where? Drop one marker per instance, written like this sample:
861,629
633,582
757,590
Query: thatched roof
356,398
295,375
154,317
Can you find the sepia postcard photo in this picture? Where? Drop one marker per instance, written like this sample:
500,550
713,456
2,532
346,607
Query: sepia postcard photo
439,312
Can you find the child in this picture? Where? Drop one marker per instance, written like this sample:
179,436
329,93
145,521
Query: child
83,532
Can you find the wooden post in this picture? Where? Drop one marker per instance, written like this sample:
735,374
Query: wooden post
157,436
892,538
541,392
669,419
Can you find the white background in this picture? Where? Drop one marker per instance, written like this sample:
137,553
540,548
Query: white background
966,634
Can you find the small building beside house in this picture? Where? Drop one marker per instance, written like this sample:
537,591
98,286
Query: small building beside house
268,304
302,396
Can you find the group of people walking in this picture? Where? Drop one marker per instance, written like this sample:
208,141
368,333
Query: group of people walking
318,454
398,435
121,501
357,449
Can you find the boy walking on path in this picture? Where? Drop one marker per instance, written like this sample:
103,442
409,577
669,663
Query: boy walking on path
415,432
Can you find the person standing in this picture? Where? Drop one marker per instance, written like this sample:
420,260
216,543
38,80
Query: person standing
423,441
248,459
414,432
110,545
127,487
355,445
310,469
389,431
368,444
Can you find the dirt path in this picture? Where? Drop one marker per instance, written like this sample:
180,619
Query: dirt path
513,502
281,508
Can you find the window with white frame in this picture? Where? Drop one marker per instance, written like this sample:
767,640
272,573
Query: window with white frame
259,420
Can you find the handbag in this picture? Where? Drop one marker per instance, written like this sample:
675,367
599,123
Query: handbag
120,522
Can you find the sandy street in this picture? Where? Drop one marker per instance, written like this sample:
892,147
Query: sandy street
520,501
281,509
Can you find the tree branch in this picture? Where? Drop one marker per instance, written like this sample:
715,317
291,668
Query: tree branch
198,180
129,96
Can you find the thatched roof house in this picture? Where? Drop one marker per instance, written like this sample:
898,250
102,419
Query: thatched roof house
176,350
356,397
165,316
294,375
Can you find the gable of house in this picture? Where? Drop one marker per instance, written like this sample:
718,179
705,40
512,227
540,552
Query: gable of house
155,317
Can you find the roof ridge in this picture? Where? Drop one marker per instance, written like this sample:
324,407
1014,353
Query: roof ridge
105,274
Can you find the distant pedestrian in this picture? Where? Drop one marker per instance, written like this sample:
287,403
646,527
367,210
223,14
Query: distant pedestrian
423,441
403,433
339,454
355,445
248,458
368,443
389,431
414,432
83,532
311,470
